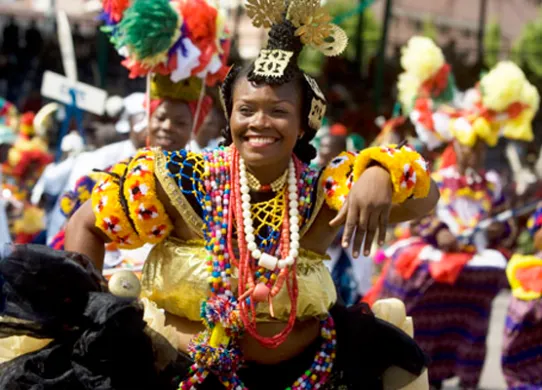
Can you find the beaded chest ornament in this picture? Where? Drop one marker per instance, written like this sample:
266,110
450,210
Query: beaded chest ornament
261,275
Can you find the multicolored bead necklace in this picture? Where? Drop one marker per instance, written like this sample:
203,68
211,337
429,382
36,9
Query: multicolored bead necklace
216,350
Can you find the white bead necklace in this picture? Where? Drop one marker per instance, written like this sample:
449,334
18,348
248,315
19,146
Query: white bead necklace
264,259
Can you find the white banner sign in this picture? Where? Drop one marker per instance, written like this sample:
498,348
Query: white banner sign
89,98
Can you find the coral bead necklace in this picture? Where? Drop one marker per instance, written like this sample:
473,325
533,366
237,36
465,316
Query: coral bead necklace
216,350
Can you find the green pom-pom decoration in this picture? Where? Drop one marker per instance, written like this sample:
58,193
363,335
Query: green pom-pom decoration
148,28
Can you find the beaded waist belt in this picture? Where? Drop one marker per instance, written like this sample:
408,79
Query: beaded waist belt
225,362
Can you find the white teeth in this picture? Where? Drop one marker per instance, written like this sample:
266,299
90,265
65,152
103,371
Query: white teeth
261,141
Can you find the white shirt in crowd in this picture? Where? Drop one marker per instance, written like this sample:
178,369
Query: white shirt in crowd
60,178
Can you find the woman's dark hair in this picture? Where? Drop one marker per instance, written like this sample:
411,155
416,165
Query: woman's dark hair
282,37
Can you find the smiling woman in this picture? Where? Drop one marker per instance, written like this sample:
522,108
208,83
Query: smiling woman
171,125
241,232
173,109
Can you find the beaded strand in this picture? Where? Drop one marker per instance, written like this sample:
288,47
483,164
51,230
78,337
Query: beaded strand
222,208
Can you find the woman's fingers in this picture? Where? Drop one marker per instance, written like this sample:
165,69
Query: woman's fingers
372,226
350,225
383,228
360,232
341,216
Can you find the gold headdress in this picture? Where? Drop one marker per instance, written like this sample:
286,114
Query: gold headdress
293,24
312,22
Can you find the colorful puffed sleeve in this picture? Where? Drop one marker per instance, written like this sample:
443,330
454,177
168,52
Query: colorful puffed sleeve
71,201
408,170
525,277
126,205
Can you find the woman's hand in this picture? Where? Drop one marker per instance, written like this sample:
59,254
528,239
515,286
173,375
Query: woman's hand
366,209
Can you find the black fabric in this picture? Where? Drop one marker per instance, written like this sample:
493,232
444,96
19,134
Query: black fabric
101,341
367,346
46,287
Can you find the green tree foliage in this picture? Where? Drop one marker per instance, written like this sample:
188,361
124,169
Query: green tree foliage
492,43
527,51
312,61
429,29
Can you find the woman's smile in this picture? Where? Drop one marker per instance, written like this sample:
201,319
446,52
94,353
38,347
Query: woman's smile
260,141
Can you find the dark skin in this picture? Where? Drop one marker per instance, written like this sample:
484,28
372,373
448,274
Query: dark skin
210,128
330,147
265,125
538,240
171,125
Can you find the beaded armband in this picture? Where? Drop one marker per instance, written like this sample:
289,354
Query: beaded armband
111,210
146,212
407,168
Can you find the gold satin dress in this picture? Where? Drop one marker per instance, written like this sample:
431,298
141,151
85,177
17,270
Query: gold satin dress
175,278
175,275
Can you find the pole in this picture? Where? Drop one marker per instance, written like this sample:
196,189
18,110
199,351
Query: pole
379,85
481,30
359,42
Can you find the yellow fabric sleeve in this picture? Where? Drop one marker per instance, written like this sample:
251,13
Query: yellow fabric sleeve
525,290
336,179
147,213
126,205
107,204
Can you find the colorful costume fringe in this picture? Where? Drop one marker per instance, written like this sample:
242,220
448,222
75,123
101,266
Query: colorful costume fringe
522,346
449,295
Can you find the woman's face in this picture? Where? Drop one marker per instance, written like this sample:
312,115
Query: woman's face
171,125
210,128
265,122
471,157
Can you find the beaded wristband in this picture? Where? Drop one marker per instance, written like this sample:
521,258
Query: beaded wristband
407,168
146,211
111,216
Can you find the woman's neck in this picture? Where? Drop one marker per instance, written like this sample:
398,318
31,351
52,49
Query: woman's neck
269,173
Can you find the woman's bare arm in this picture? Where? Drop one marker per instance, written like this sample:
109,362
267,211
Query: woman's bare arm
415,208
82,235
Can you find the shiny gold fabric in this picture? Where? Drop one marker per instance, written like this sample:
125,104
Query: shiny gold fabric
176,279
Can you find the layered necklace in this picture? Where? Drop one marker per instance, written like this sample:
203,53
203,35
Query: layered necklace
262,274
250,257
255,185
